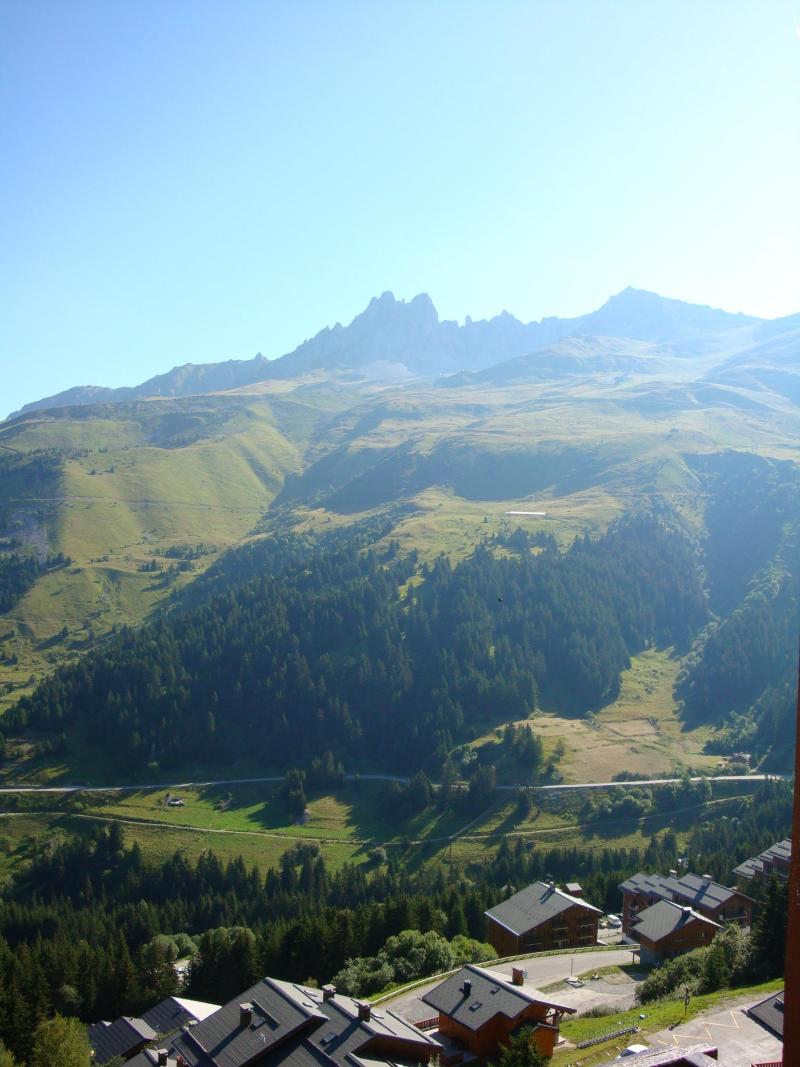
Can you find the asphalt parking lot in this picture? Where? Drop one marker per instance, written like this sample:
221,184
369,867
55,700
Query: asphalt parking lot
741,1040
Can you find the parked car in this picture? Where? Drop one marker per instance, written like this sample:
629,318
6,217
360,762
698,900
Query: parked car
614,922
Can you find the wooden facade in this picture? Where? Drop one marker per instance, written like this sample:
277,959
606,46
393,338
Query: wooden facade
693,934
739,909
486,1041
574,927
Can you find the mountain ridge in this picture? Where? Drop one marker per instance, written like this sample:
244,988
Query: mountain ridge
393,339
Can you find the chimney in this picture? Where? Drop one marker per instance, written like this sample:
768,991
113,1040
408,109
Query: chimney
328,992
466,988
162,1057
245,1015
518,976
364,1010
673,873
551,886
686,911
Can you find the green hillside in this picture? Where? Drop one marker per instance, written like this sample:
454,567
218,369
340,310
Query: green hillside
144,496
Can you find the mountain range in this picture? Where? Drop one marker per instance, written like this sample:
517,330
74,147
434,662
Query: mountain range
394,340
433,437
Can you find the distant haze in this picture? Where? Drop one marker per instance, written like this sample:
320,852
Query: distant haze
392,341
194,183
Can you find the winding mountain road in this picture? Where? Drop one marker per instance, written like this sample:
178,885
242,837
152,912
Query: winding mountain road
560,787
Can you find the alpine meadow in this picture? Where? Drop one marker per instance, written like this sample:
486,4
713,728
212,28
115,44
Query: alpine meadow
388,679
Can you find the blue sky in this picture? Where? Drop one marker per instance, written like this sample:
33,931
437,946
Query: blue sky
186,181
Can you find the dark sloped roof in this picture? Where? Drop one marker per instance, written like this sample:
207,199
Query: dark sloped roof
691,889
769,1013
533,906
749,868
664,918
293,1026
489,996
221,1041
171,1014
119,1038
781,850
148,1058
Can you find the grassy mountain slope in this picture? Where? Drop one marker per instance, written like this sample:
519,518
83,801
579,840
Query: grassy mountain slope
584,430
175,482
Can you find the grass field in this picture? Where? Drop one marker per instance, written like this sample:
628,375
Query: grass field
348,825
639,732
656,1016
139,485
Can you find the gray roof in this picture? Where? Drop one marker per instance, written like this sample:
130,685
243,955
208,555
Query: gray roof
533,906
769,1013
293,1025
749,868
148,1058
665,918
172,1013
698,892
781,850
489,995
118,1038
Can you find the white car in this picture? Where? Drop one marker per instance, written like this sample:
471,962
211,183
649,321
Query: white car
633,1050
614,922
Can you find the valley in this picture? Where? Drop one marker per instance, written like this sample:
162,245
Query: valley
315,580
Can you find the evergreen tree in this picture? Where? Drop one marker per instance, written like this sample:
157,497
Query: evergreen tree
769,931
521,1051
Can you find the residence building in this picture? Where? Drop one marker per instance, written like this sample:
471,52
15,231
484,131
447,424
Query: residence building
701,893
773,862
123,1037
479,1010
541,917
126,1036
276,1023
666,929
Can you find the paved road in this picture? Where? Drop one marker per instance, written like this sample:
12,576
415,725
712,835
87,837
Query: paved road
542,970
370,778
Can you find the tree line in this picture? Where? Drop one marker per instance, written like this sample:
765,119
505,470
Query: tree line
339,652
87,928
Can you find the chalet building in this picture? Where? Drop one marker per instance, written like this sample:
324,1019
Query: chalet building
479,1010
173,1013
277,1023
772,863
126,1036
702,894
541,917
666,929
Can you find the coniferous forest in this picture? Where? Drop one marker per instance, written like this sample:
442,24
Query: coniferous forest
340,652
90,928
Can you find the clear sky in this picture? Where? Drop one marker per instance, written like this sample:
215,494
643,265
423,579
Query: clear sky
191,181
